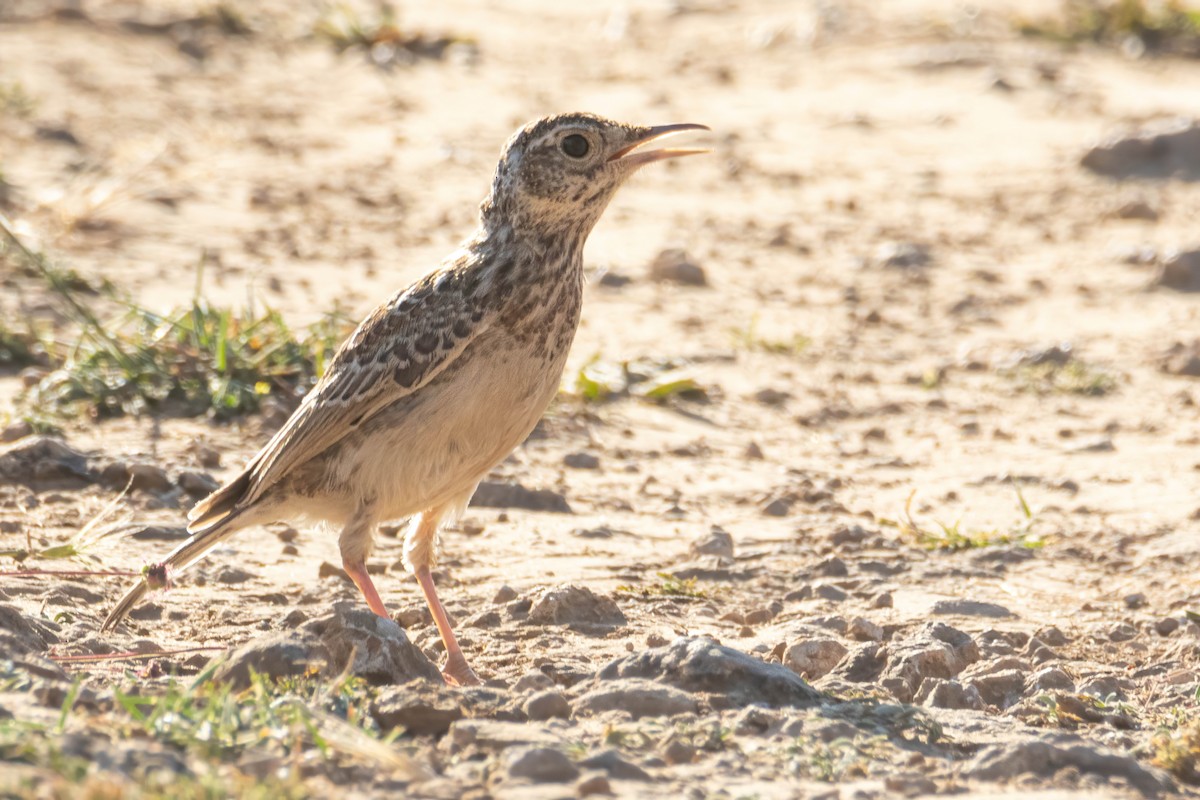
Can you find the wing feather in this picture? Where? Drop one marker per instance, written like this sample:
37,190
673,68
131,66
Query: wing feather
397,349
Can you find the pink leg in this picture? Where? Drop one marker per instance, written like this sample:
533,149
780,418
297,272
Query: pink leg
457,671
362,579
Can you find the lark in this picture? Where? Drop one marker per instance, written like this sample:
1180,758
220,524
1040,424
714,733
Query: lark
437,385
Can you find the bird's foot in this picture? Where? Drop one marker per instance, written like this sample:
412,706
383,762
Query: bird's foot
459,673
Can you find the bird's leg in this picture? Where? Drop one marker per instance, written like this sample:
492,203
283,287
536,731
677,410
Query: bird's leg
419,552
362,579
356,542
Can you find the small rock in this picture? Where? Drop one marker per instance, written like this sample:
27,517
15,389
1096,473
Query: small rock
677,752
1162,149
539,765
17,430
716,542
699,664
1135,600
492,494
505,594
1136,208
1050,679
1106,686
674,266
533,681
755,721
232,575
902,255
381,651
1180,270
149,478
772,397
614,280
943,693
206,455
590,785
1166,626
814,658
827,591
41,458
882,600
832,567
1182,359
1000,689
640,698
937,651
1052,636
615,766
1042,759
496,735
197,484
574,605
419,708
910,784
970,608
581,461
864,630
547,705
778,507
1121,632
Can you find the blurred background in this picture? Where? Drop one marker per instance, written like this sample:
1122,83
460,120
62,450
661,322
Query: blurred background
937,285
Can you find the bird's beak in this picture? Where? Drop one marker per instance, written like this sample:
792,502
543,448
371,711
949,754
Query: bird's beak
632,157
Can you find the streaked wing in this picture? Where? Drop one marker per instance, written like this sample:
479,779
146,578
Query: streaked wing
396,350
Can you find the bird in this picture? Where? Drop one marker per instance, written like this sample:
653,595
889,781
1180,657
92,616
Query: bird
441,382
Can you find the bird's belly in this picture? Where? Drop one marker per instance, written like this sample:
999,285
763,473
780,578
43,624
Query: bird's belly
433,448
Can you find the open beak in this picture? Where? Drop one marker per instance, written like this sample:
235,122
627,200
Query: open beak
631,156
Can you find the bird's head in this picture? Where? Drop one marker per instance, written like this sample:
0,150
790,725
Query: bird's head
557,174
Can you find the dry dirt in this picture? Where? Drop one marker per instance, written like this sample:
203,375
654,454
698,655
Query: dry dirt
894,226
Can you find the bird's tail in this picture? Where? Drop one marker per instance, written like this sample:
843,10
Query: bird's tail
158,576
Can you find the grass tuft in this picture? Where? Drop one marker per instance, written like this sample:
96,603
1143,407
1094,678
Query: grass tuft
1070,377
749,338
192,361
668,586
655,380
953,538
1137,26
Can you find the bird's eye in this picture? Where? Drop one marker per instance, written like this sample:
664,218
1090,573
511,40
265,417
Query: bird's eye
575,146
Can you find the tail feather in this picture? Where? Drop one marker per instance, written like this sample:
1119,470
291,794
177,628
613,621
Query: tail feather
182,557
220,504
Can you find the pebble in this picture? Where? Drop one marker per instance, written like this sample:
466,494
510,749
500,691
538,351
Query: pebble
936,651
574,606
945,693
581,461
699,664
717,542
1166,626
1043,759
505,594
864,630
1180,270
677,752
814,658
493,494
827,591
197,484
969,608
674,266
639,698
1121,632
539,765
1050,679
548,704
596,783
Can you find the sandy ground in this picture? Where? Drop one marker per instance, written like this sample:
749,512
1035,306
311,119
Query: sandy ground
846,138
